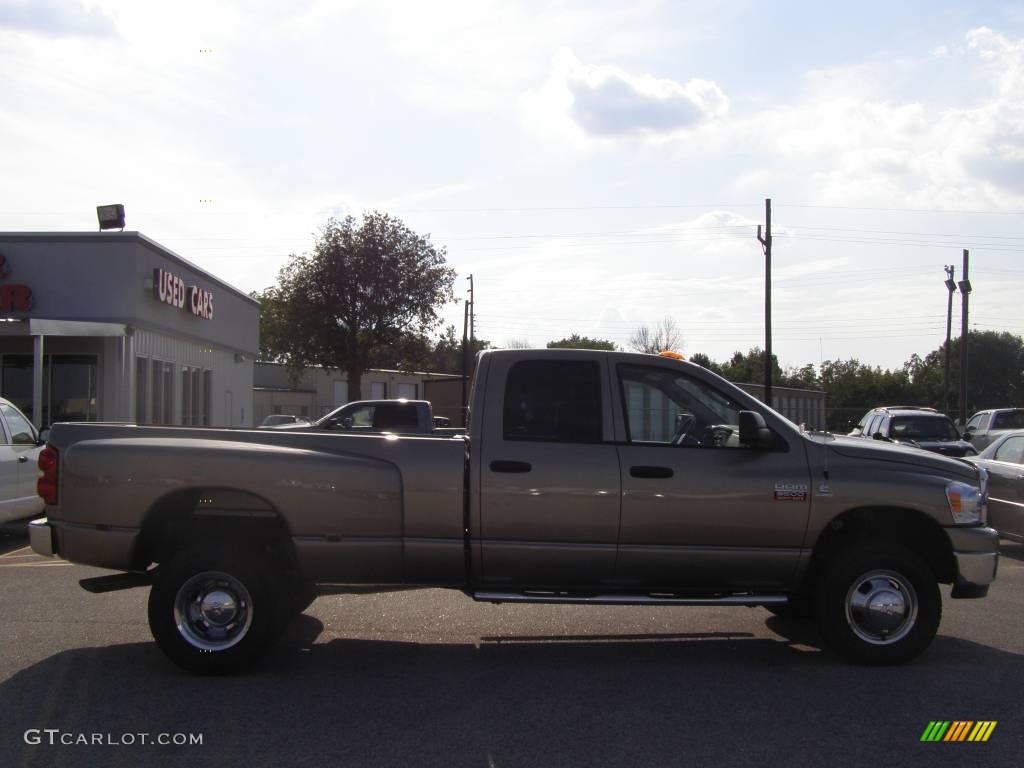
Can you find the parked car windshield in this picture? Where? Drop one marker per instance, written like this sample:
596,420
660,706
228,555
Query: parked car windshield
923,428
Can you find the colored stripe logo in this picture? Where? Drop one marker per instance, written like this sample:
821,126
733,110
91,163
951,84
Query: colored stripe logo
958,730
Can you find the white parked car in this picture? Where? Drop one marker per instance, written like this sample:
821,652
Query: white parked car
19,453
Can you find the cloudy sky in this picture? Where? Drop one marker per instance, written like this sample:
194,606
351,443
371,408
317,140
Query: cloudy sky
595,165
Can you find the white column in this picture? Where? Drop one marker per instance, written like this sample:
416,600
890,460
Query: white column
129,373
37,381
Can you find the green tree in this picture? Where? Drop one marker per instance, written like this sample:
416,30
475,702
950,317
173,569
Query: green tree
446,356
800,378
705,361
367,294
581,342
995,372
749,368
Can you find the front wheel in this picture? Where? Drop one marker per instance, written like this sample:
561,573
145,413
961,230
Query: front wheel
879,604
212,612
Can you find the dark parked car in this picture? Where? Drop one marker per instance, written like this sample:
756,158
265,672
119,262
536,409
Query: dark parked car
985,427
918,427
1004,460
277,419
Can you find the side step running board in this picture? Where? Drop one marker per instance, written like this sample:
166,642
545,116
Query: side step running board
113,583
655,599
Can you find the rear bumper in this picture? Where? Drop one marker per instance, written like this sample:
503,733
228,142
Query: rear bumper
102,546
40,537
976,554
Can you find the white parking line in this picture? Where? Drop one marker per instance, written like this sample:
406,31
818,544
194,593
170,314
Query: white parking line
43,564
14,553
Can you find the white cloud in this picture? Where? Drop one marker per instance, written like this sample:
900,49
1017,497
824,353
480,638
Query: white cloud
583,101
848,141
55,18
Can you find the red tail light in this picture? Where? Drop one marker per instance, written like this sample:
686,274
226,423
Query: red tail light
46,486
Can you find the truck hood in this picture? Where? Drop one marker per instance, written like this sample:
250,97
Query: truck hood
878,450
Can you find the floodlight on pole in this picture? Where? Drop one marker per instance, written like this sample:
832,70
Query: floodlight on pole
110,216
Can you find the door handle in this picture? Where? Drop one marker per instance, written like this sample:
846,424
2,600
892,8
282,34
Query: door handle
23,459
651,473
513,467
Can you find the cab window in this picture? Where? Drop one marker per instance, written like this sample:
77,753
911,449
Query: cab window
976,422
553,401
667,407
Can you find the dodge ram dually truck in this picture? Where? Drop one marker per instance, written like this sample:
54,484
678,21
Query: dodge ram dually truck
585,477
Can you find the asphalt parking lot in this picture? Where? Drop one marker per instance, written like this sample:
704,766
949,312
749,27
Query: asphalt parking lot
430,678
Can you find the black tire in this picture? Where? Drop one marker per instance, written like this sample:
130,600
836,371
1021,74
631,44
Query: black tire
227,631
303,597
879,603
799,608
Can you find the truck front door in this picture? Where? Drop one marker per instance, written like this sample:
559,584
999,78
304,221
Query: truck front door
549,474
699,509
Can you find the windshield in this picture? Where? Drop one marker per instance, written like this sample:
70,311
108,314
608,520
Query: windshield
923,428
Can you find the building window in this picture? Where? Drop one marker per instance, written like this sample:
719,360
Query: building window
207,397
70,386
408,391
193,407
340,393
141,389
162,400
378,390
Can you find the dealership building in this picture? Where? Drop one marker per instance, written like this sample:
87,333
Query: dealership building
112,326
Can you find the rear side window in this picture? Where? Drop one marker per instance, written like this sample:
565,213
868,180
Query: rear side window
1009,420
1012,451
394,416
553,401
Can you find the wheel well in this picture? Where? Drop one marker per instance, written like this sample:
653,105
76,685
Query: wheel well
185,519
913,530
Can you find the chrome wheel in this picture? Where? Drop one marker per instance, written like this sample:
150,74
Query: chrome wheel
213,611
881,607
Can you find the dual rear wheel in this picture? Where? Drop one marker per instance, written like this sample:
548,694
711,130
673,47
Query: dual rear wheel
214,611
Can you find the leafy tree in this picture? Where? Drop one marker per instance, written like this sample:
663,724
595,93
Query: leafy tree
995,372
800,378
581,342
703,360
366,296
446,356
518,343
665,336
749,368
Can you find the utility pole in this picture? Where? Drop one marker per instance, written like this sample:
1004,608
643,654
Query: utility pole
465,356
965,292
472,317
951,289
766,244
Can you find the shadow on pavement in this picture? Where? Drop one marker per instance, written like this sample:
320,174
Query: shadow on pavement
1011,549
645,700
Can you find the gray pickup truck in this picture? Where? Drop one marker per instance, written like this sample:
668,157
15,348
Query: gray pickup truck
400,416
585,477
